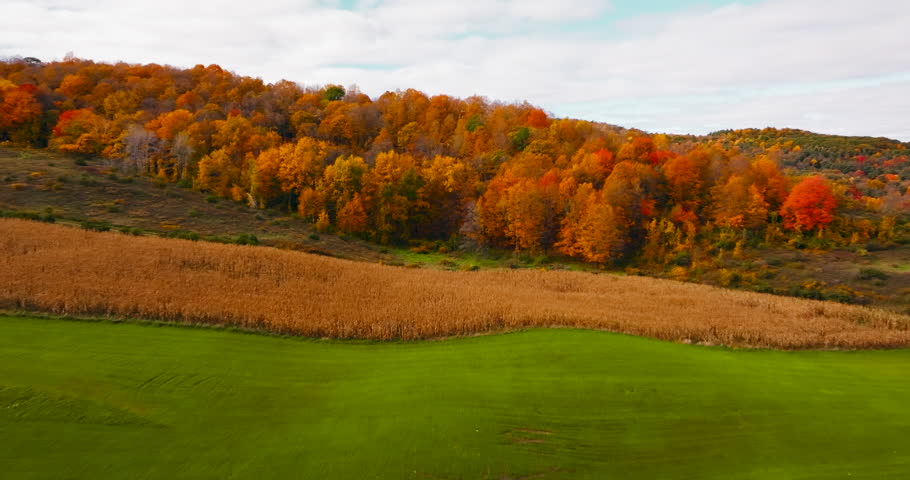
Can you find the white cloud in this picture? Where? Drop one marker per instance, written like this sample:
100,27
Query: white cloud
769,63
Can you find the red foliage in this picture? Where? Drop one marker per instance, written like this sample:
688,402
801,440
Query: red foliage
660,156
65,118
810,205
537,118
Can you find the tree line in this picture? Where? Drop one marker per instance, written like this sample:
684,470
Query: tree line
408,166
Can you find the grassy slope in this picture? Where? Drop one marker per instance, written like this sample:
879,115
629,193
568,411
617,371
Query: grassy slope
103,400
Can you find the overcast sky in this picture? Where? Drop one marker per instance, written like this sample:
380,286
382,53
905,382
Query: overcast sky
832,66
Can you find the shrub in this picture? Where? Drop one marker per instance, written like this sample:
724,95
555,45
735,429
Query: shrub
871,274
875,246
135,231
182,234
676,273
96,225
246,239
728,278
682,259
422,249
87,181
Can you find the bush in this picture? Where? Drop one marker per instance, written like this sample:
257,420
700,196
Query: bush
725,244
871,274
246,239
875,246
728,278
798,243
211,199
87,181
682,259
183,234
805,292
135,231
423,248
314,236
96,225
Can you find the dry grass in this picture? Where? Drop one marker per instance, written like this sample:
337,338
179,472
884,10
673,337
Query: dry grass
73,272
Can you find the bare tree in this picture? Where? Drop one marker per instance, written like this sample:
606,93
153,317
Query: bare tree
139,145
182,151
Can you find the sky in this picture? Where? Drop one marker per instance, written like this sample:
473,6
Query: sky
673,66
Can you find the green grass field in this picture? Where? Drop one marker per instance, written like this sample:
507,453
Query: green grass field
128,400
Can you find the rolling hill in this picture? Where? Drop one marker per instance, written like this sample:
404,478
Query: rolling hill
103,400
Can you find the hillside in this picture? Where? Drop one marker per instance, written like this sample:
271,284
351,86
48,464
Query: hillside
91,194
44,185
75,272
103,400
866,158
406,167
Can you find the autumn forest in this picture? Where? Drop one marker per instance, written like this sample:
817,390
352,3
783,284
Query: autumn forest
407,166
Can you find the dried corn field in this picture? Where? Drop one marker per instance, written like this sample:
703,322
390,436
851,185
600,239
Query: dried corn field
73,272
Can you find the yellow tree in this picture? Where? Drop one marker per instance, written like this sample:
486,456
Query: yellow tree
602,235
738,204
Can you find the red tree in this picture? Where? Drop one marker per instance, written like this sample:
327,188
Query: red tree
809,206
